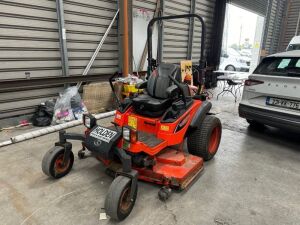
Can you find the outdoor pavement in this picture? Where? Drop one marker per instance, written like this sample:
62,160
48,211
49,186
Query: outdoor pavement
253,179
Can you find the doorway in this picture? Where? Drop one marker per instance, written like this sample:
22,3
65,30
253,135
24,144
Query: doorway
242,37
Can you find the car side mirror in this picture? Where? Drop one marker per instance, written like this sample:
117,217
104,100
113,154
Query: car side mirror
172,91
226,55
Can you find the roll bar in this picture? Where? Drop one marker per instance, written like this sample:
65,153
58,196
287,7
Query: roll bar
149,37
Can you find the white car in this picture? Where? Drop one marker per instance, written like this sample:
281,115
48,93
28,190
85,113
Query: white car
294,44
232,60
247,53
272,93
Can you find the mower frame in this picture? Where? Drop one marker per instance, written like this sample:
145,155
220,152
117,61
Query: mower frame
152,62
189,119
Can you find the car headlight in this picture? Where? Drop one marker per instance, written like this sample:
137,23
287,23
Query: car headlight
241,60
89,121
126,133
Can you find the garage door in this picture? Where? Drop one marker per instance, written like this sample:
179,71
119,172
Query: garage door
176,31
273,26
257,6
29,46
290,23
86,22
205,9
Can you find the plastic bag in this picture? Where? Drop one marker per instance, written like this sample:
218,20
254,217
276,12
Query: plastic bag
69,106
130,79
43,115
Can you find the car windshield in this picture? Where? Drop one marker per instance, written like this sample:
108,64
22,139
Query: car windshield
293,47
279,66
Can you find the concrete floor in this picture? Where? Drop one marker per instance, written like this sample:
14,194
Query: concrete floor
253,179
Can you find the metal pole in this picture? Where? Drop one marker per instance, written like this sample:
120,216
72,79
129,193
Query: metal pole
191,30
213,56
298,23
160,5
62,37
89,65
125,38
157,11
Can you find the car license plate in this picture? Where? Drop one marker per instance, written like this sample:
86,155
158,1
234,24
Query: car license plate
283,103
103,134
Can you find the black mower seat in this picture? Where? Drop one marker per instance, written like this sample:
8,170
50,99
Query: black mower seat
153,107
157,101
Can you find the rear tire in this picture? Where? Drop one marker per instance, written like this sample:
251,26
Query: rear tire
204,141
117,203
52,164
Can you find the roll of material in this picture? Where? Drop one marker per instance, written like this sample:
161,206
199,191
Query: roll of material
52,129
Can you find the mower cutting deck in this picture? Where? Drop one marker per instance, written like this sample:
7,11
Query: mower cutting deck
147,137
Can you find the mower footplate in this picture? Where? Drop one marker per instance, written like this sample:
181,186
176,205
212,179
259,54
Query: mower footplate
149,139
173,168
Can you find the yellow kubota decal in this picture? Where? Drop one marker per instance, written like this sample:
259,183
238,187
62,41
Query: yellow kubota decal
132,122
164,128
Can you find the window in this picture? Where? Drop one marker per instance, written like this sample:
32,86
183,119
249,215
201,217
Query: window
284,63
279,66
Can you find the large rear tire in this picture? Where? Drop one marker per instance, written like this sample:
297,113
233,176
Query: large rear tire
118,204
204,141
52,164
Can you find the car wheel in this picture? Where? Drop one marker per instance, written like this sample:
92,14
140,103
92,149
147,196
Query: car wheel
230,68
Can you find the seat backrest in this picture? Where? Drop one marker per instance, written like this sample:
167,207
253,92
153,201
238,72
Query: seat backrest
159,80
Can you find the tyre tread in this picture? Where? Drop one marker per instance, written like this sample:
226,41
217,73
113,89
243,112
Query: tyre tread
198,140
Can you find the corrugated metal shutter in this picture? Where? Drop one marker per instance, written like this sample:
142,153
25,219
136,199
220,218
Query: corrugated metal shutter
175,43
256,6
29,42
290,23
204,8
176,32
86,22
29,39
273,26
147,4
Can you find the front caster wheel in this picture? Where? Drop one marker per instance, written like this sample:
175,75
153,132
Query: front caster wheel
164,193
52,164
118,204
81,154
